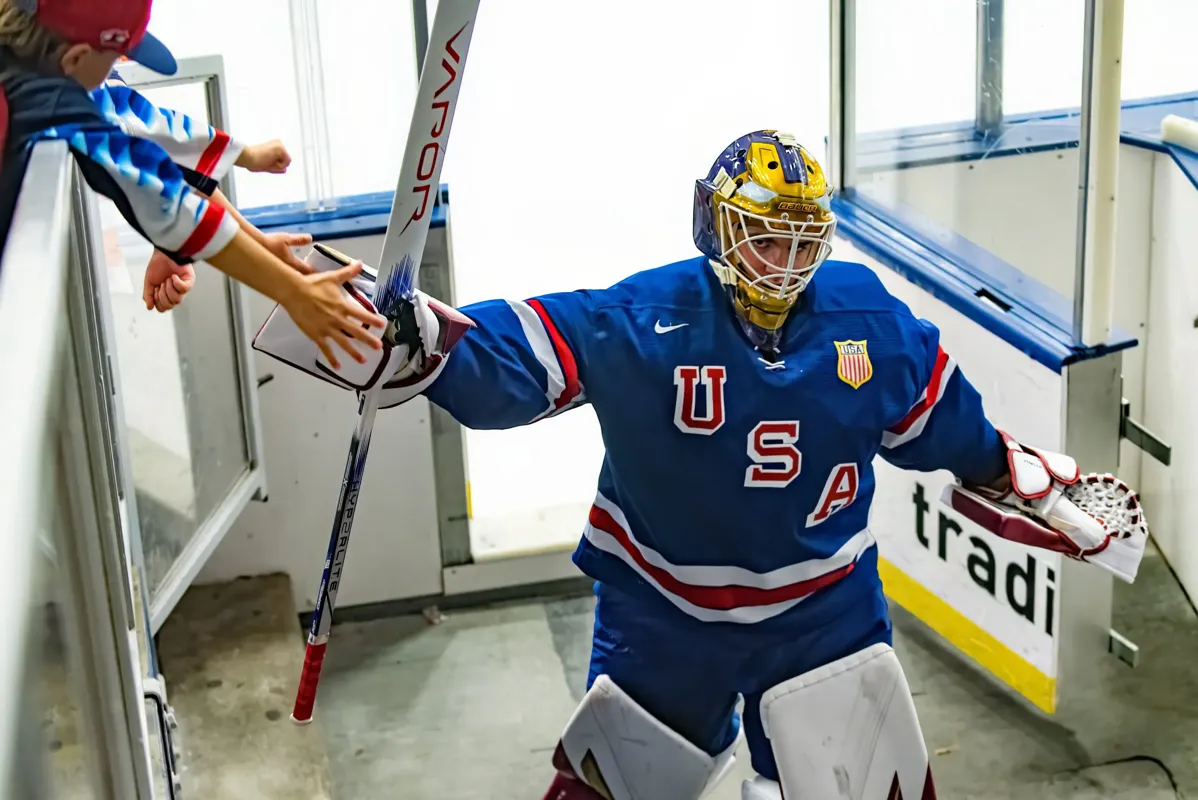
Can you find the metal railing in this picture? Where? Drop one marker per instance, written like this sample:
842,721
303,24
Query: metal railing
71,701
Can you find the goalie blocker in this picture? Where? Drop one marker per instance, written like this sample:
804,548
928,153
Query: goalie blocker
415,345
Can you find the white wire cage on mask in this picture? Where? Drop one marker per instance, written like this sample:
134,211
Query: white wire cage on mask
803,243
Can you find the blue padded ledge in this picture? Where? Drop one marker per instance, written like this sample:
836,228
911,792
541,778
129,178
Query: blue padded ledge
356,215
960,273
1186,160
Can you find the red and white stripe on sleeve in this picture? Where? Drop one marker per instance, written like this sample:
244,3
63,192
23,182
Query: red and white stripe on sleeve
190,142
146,184
563,388
913,424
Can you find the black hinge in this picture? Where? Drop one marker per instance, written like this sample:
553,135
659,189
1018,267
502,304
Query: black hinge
1143,438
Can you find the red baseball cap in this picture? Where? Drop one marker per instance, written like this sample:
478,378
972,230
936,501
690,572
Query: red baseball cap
118,26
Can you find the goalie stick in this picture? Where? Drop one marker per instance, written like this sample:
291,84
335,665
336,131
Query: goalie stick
407,230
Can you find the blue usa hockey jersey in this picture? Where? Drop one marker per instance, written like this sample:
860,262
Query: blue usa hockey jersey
733,487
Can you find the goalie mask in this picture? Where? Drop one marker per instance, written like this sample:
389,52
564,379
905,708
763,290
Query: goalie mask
763,218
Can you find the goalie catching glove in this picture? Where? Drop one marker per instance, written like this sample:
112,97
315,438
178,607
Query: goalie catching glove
415,344
1050,504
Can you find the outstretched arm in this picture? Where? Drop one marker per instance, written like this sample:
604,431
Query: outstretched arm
1018,492
196,147
491,365
523,362
153,196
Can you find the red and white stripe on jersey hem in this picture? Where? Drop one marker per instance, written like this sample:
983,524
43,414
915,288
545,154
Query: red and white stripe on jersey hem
913,424
563,389
716,593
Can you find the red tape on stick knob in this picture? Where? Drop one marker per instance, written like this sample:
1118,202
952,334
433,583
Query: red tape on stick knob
305,697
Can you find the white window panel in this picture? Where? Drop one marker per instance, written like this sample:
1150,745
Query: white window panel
1159,57
573,160
369,58
915,63
1042,55
254,39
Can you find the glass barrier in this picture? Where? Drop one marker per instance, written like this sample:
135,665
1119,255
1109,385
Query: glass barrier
925,73
182,405
261,78
183,375
70,704
1159,57
64,731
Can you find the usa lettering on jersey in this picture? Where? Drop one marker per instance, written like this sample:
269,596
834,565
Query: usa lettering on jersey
772,445
697,385
669,515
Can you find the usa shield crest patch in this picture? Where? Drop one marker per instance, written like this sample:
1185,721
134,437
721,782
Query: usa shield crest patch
852,362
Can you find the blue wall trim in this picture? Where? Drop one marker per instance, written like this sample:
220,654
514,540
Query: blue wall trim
1186,160
355,215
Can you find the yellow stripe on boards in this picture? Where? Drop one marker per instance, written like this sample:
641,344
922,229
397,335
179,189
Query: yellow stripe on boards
969,638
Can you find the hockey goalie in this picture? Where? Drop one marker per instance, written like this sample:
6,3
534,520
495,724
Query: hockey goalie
743,395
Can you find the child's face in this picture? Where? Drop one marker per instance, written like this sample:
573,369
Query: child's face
87,65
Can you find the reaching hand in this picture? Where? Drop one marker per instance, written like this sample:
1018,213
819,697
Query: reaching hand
166,282
281,243
323,311
269,156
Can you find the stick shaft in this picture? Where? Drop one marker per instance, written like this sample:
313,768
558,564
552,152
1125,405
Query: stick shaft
407,232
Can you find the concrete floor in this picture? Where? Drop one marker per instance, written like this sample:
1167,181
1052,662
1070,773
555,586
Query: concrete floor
231,656
472,707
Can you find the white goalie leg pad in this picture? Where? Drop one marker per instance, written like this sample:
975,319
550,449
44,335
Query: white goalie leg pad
624,753
761,789
849,730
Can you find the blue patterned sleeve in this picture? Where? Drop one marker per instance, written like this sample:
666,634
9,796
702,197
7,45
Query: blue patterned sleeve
190,143
149,189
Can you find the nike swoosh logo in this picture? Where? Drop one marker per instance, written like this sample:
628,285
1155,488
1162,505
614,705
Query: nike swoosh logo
667,328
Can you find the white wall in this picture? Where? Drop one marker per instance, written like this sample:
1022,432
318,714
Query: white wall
394,551
1133,274
1023,209
1170,500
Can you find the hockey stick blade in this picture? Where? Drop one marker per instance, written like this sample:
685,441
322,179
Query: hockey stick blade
403,248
